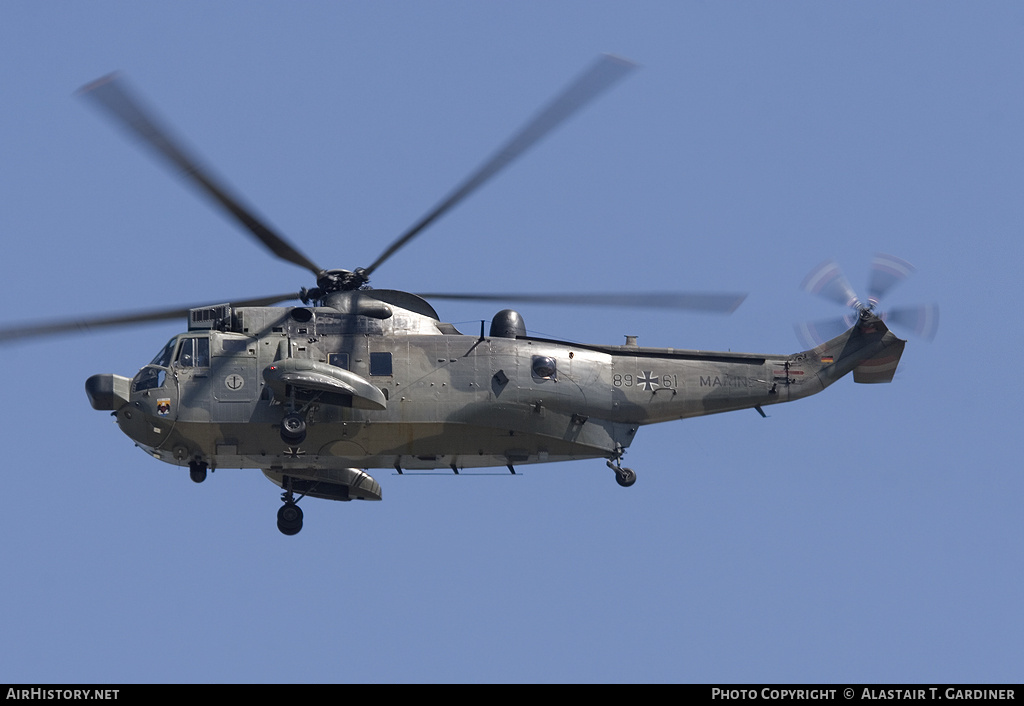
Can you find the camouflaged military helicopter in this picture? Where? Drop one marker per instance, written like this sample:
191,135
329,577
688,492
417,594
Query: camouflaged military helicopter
356,378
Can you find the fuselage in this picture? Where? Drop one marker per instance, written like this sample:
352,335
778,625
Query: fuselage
449,400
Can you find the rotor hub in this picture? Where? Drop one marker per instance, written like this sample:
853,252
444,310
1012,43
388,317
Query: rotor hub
330,281
341,280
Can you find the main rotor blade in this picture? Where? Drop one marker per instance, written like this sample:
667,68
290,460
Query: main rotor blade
111,93
714,303
599,77
17,333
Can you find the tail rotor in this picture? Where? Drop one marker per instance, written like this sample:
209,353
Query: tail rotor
828,281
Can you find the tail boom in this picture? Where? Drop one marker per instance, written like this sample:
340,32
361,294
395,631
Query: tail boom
868,349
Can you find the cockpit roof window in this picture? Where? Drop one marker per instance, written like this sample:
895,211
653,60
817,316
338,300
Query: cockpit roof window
163,358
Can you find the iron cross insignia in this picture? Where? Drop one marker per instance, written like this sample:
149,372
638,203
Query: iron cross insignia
648,380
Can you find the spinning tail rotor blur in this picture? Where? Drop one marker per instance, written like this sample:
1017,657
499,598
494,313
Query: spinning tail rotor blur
828,281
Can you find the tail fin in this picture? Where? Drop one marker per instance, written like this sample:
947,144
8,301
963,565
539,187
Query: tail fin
868,349
882,367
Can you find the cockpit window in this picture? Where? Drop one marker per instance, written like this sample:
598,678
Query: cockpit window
163,359
149,378
194,353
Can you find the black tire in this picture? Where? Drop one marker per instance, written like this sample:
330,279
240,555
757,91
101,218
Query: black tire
293,428
289,519
625,477
197,472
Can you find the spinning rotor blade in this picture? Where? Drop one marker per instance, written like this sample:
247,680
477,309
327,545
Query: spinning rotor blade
111,94
922,321
598,78
715,303
827,280
886,272
17,333
814,333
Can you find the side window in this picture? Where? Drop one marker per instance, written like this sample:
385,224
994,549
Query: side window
338,359
194,353
380,364
543,366
229,346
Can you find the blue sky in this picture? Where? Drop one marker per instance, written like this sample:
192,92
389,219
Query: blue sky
868,534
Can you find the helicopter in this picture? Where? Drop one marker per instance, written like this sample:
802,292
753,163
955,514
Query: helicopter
355,378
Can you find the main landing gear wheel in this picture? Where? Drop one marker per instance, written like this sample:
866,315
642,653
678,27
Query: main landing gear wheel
623,476
197,471
289,518
293,429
